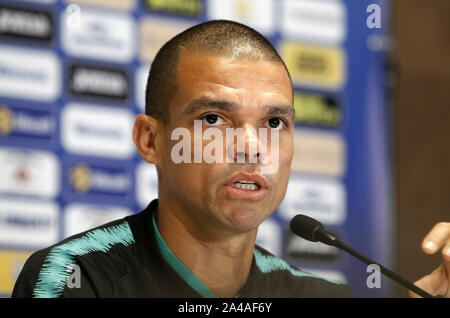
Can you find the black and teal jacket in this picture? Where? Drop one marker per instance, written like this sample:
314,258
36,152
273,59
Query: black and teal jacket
129,258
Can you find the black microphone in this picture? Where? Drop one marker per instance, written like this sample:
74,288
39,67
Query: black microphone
312,230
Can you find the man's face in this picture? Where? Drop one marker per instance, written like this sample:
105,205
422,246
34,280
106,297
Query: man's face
229,93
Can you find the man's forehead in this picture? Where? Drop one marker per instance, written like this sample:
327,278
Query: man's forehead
198,66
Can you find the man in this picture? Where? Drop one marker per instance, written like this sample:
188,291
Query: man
198,238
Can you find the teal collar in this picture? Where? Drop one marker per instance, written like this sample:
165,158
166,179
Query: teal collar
179,267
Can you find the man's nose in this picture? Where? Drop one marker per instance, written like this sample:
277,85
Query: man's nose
248,148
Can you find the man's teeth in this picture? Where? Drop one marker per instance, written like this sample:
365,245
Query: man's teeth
246,185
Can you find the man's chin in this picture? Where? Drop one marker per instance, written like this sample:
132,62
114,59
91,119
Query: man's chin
244,219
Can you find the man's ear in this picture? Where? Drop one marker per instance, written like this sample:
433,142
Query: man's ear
145,131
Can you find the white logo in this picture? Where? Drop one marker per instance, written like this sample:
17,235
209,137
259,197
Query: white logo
269,236
29,172
106,36
256,14
97,131
105,82
141,84
42,1
29,223
99,82
80,217
328,274
28,23
29,74
319,198
146,183
108,4
314,21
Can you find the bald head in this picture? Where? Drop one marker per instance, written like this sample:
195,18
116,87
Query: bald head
219,38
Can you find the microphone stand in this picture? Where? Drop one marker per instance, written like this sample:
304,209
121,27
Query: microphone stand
329,239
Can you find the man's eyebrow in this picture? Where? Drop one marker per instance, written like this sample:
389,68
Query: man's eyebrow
205,103
286,110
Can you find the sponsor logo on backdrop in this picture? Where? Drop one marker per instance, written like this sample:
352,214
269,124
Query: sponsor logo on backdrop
155,32
7,118
187,8
80,217
40,1
112,4
323,199
97,131
29,74
17,122
322,153
94,81
140,85
11,263
312,65
30,223
25,24
269,236
103,35
318,109
257,14
95,181
314,21
146,183
303,250
29,172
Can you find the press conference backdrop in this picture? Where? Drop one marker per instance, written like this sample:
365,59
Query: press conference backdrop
72,79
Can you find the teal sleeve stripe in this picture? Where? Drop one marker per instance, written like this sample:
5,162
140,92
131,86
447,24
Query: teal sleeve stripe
55,270
269,263
179,267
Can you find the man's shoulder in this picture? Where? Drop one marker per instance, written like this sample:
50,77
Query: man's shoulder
47,270
289,281
99,239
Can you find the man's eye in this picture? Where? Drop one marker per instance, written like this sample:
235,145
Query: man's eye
212,120
275,123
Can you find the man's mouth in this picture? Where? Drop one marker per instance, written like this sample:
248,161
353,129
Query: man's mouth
246,185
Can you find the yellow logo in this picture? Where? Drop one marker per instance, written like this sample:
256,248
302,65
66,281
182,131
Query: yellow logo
184,7
314,65
242,8
317,109
154,33
11,263
320,153
6,120
80,177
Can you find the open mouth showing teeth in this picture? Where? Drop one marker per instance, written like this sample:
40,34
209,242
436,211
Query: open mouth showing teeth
246,185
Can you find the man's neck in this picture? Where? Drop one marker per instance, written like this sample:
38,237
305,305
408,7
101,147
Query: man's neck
223,265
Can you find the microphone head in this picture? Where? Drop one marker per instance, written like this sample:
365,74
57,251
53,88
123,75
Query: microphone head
305,227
